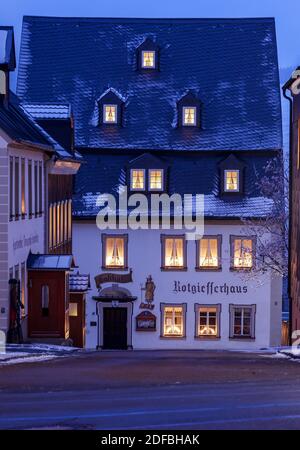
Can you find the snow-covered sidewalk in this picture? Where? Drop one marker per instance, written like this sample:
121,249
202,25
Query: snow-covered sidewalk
29,353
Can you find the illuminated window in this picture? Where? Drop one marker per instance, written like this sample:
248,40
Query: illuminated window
23,193
242,321
138,179
114,251
155,180
189,116
173,252
232,181
208,321
110,113
73,309
173,320
148,59
50,231
209,249
242,252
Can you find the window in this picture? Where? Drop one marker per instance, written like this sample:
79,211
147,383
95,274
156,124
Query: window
69,219
110,113
54,225
40,187
11,188
23,193
50,230
17,187
23,284
45,301
58,238
36,207
209,253
137,179
173,320
242,321
30,188
114,251
155,179
242,252
173,252
148,59
207,321
189,116
232,180
73,310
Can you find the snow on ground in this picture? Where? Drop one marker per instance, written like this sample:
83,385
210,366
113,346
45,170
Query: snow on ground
25,353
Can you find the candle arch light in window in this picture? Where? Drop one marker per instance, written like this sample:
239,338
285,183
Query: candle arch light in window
137,182
189,116
242,253
148,59
174,252
209,252
232,180
155,179
110,113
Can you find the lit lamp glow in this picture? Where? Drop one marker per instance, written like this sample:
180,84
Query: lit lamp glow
189,115
243,253
110,113
148,60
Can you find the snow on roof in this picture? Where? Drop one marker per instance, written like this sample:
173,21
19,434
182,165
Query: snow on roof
48,111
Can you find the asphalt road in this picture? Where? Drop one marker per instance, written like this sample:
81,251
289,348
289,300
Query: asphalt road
266,395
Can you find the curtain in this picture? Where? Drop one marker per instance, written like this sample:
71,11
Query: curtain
209,253
114,252
173,252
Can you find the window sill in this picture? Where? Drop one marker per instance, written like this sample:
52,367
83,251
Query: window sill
173,269
207,338
115,268
241,269
208,269
242,338
172,338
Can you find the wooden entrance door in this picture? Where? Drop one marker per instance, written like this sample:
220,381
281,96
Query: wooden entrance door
47,304
115,328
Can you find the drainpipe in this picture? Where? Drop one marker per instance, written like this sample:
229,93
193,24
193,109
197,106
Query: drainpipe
284,91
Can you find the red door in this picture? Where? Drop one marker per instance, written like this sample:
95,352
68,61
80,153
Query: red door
46,304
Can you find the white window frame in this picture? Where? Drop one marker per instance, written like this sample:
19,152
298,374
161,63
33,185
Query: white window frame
124,266
131,179
232,308
154,59
233,238
218,307
162,321
225,180
104,114
183,116
162,180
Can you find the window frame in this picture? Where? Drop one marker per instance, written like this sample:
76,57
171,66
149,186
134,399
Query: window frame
115,122
238,181
165,268
197,308
217,268
232,308
145,181
142,60
194,124
104,237
162,180
162,320
232,240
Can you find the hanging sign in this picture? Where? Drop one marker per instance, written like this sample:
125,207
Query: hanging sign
146,321
113,278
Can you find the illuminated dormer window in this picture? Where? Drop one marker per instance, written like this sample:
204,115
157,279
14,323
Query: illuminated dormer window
148,59
232,180
156,179
110,113
189,116
137,180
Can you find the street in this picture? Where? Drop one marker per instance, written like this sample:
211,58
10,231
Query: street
152,390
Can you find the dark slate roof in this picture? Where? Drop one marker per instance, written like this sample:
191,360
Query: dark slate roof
49,262
79,282
188,173
229,64
7,48
48,111
17,124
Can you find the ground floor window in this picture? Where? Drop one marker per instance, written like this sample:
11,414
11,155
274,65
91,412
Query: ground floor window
242,321
207,321
173,320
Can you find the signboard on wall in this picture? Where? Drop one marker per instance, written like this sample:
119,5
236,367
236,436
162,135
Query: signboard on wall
146,321
113,278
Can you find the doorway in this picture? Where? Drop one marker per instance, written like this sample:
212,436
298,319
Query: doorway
115,328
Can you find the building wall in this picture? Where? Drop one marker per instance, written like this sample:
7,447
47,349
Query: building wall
295,226
3,234
27,233
144,257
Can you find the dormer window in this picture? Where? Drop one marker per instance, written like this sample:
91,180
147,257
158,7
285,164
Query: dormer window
189,111
148,59
137,180
189,116
148,56
110,113
232,175
156,179
232,180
